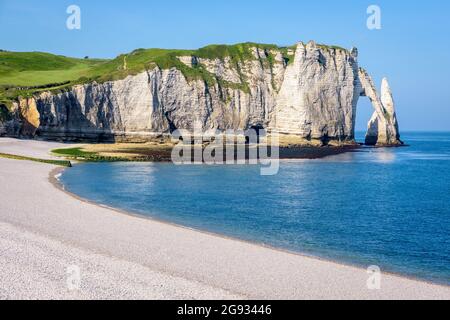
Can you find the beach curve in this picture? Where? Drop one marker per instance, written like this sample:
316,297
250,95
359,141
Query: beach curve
177,262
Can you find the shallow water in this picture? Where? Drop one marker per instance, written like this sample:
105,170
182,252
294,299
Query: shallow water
384,207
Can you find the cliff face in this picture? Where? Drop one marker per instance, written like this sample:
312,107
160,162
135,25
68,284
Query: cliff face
319,95
313,95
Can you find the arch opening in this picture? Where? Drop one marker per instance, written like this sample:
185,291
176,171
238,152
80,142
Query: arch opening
382,129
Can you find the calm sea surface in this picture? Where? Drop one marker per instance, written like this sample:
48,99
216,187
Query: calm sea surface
384,207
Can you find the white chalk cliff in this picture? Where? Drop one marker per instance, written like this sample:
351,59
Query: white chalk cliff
314,95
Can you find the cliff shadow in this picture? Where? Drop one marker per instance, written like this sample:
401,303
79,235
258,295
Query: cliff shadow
69,121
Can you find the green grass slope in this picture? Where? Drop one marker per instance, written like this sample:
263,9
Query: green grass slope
27,73
146,59
63,163
38,68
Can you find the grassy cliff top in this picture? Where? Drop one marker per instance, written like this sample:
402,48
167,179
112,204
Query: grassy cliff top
144,59
27,73
31,69
39,68
23,73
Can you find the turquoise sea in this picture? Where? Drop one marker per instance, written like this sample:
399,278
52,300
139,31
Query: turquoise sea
384,207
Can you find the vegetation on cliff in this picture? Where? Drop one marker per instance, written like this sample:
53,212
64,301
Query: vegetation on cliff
27,73
62,163
152,151
23,74
28,69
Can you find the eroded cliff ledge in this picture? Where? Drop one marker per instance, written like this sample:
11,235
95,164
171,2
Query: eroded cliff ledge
309,91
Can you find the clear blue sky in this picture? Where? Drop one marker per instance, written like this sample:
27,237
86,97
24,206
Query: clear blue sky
412,48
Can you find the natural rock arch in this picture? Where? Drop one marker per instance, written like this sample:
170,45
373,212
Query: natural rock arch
383,126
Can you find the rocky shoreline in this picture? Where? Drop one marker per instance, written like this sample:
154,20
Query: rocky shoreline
163,152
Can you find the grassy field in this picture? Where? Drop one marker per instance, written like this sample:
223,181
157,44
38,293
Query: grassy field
38,78
62,163
151,151
25,73
38,69
81,155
